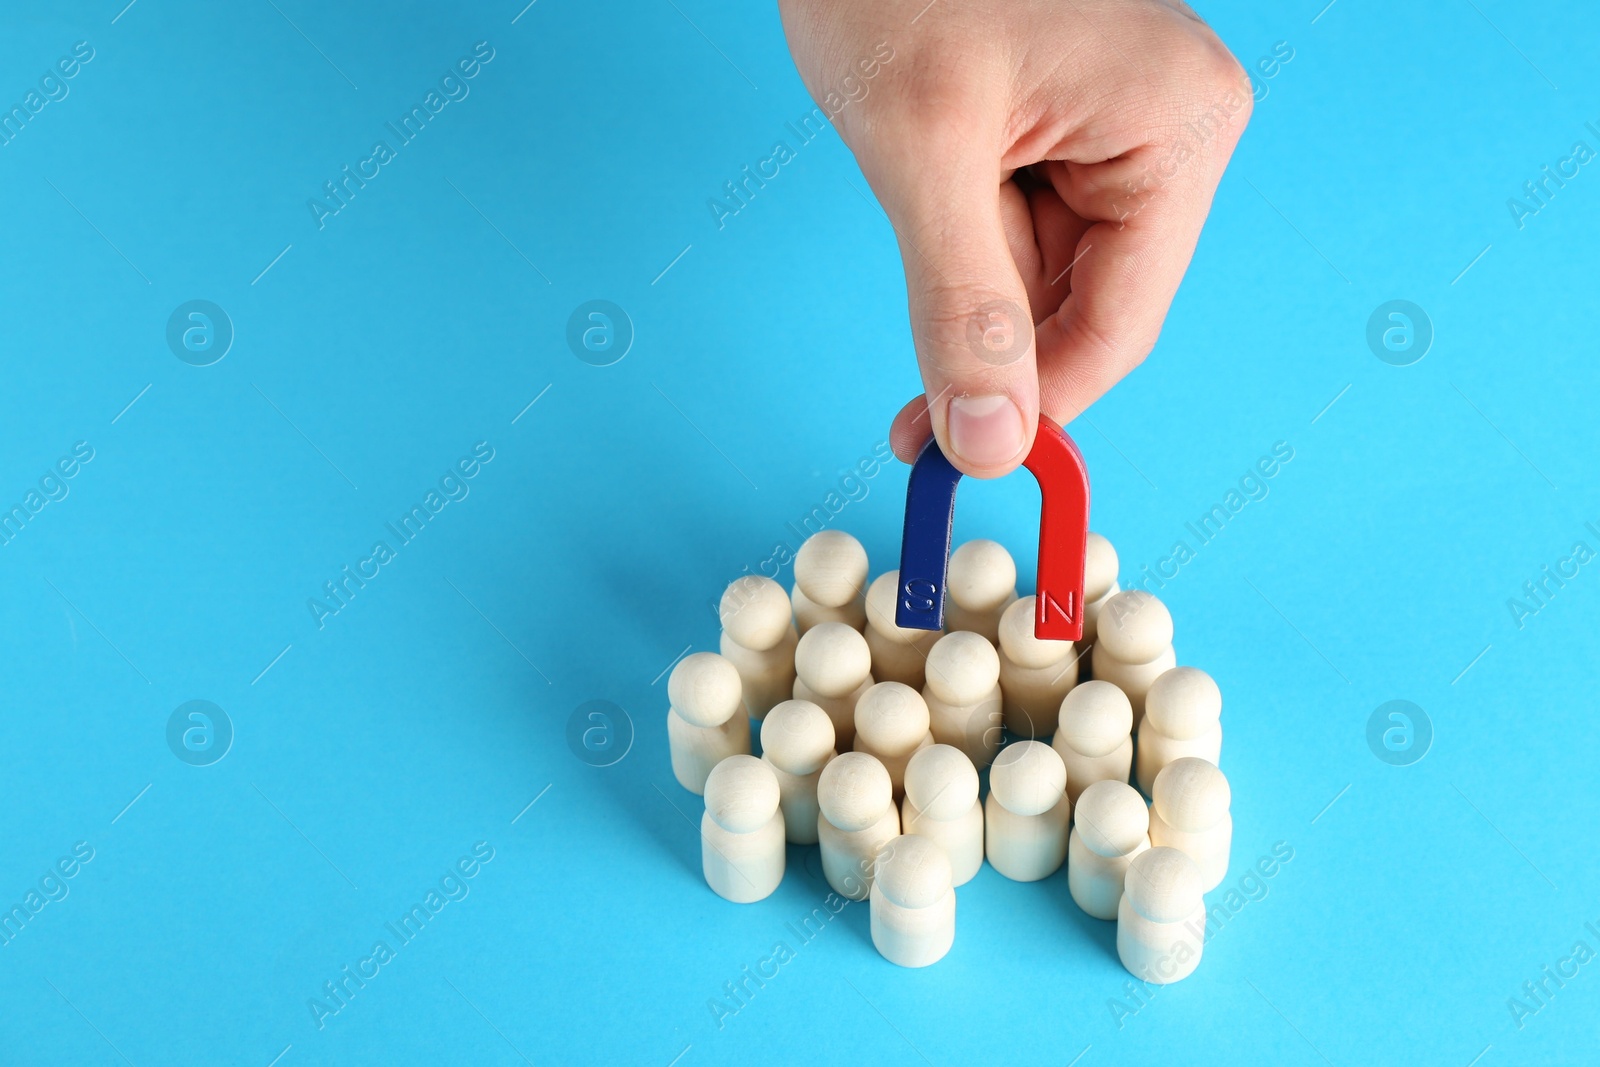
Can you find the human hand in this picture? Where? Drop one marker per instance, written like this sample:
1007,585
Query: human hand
1047,166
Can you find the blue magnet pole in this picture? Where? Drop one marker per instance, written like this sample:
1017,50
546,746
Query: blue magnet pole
925,542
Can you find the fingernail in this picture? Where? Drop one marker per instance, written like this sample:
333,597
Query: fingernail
985,430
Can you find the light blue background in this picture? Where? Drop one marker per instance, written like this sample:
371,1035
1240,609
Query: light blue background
430,712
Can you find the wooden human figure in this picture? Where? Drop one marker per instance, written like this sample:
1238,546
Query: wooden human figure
981,584
741,833
833,668
797,742
913,909
1190,813
830,581
1027,817
963,694
1133,645
941,804
706,722
1110,826
1182,717
1093,737
858,817
1161,921
759,638
892,724
1034,675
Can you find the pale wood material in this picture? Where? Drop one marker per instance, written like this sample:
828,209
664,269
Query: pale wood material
913,909
1027,817
833,668
797,741
742,833
857,818
1099,583
1034,675
1182,717
1093,735
1110,826
807,613
830,581
892,724
1133,646
705,689
706,721
767,676
941,804
981,584
1190,813
1162,918
832,568
841,710
695,750
963,695
755,612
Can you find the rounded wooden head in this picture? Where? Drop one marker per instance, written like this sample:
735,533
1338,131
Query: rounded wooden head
833,658
741,794
1019,644
1164,885
854,791
1191,794
1183,703
941,782
1099,567
831,568
963,667
890,716
913,871
797,736
1134,626
1111,818
1096,717
982,575
704,689
755,612
1028,778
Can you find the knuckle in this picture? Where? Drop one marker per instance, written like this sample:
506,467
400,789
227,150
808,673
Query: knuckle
940,98
1223,70
1218,75
1202,74
935,119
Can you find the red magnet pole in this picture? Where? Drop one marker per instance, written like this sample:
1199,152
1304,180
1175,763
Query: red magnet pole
1063,480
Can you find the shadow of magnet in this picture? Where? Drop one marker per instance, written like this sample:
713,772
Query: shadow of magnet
1063,480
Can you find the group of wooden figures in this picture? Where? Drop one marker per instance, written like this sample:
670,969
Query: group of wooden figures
873,736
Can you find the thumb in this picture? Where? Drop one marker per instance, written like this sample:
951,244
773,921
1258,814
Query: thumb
970,318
